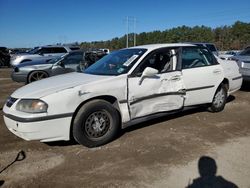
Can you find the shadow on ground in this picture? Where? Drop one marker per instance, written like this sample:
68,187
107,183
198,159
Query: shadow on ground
145,123
168,117
71,142
245,86
1,182
207,169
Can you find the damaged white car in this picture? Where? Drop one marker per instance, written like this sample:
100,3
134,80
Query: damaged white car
122,88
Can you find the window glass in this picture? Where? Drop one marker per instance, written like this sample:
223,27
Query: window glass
45,51
34,50
58,50
74,48
196,57
211,47
162,60
116,63
73,59
245,52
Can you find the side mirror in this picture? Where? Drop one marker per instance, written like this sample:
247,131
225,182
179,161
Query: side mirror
61,63
147,73
58,64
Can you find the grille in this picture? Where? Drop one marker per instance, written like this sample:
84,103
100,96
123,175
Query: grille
10,101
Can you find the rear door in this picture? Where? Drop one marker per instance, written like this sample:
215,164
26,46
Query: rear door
202,75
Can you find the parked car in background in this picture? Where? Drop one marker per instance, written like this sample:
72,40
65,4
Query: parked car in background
40,53
73,61
227,55
122,88
243,61
4,57
210,46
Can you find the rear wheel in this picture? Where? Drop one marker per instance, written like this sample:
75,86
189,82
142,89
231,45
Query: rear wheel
37,75
96,123
219,100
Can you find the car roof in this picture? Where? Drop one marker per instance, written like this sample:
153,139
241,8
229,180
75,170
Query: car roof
54,46
155,46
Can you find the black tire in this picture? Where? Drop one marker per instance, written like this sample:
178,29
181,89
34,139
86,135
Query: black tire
36,75
219,100
96,123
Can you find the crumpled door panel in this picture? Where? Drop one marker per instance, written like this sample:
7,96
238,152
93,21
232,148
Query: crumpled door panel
165,92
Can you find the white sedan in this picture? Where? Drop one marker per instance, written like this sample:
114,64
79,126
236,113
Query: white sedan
124,87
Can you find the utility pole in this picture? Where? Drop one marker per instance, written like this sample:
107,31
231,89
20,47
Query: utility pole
129,21
127,31
134,31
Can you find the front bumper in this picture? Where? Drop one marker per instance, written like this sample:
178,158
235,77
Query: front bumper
18,77
53,129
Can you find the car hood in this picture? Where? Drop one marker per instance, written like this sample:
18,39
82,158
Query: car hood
55,84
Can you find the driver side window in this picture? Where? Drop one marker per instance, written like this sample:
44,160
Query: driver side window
73,59
162,60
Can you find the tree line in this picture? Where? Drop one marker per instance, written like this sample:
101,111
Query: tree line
233,37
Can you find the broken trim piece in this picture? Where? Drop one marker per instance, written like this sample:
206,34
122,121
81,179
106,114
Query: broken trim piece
156,95
199,88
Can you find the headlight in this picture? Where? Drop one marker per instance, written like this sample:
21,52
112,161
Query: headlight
31,106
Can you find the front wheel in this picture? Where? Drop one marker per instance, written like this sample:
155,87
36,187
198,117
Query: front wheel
36,75
219,100
96,123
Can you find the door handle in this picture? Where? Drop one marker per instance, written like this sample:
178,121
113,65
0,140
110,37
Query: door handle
217,71
175,78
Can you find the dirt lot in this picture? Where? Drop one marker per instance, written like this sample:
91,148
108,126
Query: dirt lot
160,153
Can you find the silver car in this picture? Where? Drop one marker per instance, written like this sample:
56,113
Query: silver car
73,61
243,61
40,53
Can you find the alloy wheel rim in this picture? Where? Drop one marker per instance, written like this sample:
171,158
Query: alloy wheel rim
37,76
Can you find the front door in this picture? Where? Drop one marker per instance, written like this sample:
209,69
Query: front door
159,93
70,63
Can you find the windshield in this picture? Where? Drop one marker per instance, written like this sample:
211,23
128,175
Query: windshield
245,52
116,63
34,50
54,60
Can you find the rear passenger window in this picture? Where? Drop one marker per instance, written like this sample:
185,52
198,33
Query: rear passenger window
45,51
196,57
74,48
59,50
